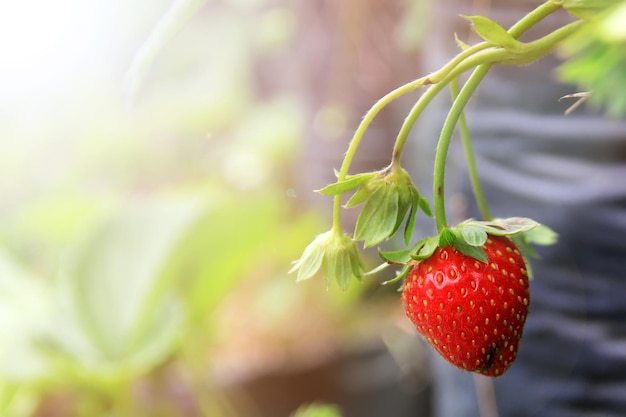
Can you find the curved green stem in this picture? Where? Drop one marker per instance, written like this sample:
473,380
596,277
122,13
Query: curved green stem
444,142
532,18
358,135
384,101
469,155
411,118
444,76
474,56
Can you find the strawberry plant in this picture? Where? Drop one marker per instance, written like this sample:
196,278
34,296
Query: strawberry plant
466,289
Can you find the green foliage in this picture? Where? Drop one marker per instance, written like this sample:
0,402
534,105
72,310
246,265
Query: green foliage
317,410
120,265
492,32
586,9
596,60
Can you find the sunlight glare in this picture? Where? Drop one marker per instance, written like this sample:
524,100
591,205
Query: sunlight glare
42,46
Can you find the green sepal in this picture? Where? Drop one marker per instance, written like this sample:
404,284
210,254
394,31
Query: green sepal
400,276
339,265
476,252
396,257
406,202
492,32
378,217
502,227
361,195
472,235
311,259
446,238
336,254
350,183
410,223
527,252
425,248
377,269
541,235
424,204
460,43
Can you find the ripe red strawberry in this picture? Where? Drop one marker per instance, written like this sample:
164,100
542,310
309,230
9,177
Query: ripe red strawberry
470,311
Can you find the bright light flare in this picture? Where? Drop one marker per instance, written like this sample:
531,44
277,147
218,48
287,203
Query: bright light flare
43,46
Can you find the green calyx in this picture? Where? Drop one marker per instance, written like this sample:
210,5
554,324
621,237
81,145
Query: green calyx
389,197
336,254
470,236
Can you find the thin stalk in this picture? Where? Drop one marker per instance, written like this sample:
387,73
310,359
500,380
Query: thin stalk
469,155
471,57
411,118
382,103
532,18
516,31
444,142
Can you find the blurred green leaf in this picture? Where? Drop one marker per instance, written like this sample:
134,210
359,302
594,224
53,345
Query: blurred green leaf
60,218
25,309
226,242
587,9
596,61
110,322
492,32
317,410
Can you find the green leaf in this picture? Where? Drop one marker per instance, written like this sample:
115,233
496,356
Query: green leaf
396,257
119,316
404,206
475,252
596,61
612,25
378,217
355,262
425,206
502,227
427,247
360,196
317,410
492,32
540,235
26,314
524,246
473,235
410,223
446,238
587,9
348,184
399,276
337,265
311,259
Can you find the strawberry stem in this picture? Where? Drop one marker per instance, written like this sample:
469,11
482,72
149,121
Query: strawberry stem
444,142
358,135
469,154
